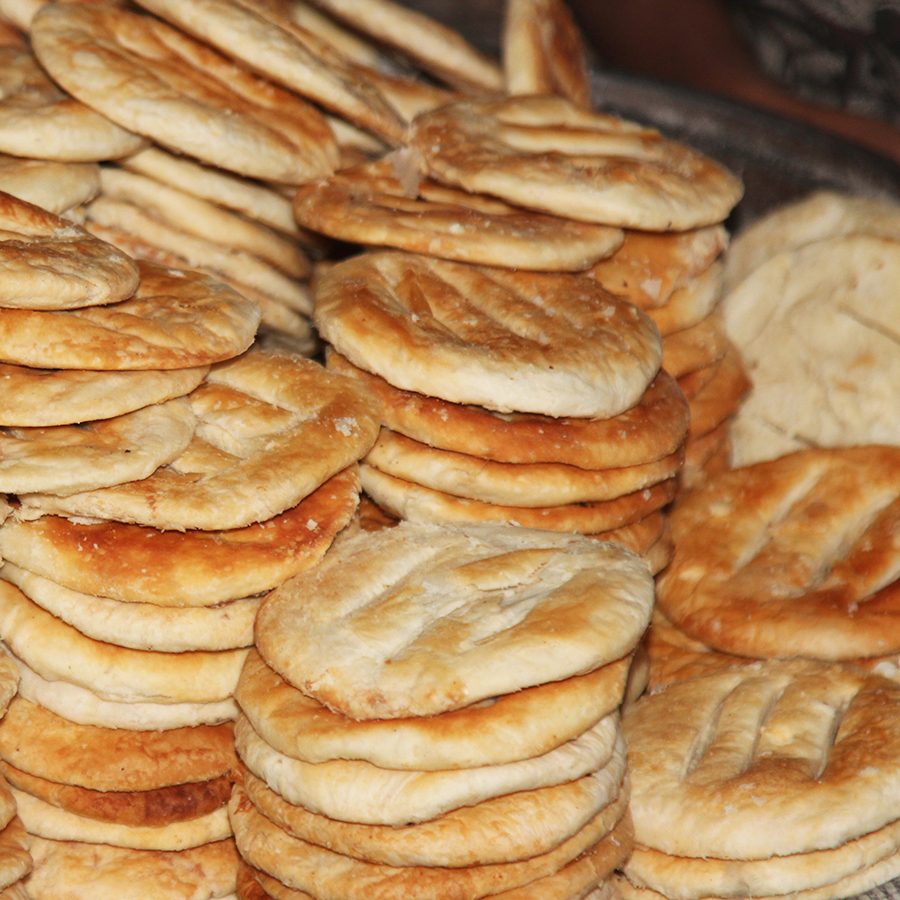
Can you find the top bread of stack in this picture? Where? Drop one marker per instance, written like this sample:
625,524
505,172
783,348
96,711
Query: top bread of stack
551,344
422,619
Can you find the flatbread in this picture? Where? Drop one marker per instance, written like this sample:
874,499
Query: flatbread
823,358
255,201
158,82
7,804
515,341
45,820
716,393
371,204
697,347
86,708
432,46
184,212
330,876
508,828
286,54
272,428
504,729
650,266
810,746
39,742
175,320
818,216
65,459
691,304
9,681
544,52
15,860
545,153
234,266
100,872
407,500
134,564
154,808
779,875
460,614
57,187
39,121
792,557
50,263
650,430
38,398
142,626
58,652
510,484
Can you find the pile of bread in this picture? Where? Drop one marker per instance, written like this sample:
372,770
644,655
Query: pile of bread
570,571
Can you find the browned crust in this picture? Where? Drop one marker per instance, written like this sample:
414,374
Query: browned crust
159,807
650,430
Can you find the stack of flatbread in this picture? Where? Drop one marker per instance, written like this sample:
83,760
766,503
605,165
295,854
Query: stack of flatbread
433,712
676,278
774,780
527,398
15,858
163,482
812,303
794,557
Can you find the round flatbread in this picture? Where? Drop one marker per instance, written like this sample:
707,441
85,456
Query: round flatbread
155,808
462,614
287,54
9,680
650,430
45,820
817,329
371,204
715,393
179,209
515,341
505,829
431,45
51,263
133,564
55,186
813,747
15,860
44,744
39,398
691,304
793,557
545,153
65,459
243,195
330,876
698,347
272,428
142,626
509,484
58,652
158,82
175,320
408,500
148,236
543,51
798,874
98,872
39,121
651,265
503,729
86,708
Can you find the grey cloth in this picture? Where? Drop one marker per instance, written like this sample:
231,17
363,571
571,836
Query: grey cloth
843,53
